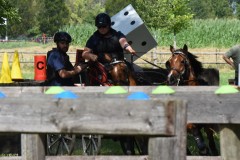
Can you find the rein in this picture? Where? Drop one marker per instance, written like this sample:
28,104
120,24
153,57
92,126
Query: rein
147,61
101,67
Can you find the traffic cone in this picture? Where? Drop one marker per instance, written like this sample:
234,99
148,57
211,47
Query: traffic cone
16,73
5,72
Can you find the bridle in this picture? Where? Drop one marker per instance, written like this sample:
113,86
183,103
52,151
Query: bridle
180,73
111,65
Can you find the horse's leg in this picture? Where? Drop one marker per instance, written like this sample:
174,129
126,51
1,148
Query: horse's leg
196,132
211,142
142,145
132,81
127,144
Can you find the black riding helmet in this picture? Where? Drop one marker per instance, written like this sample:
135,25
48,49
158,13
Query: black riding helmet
62,36
102,19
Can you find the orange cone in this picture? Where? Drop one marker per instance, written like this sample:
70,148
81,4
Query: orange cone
5,72
16,73
40,68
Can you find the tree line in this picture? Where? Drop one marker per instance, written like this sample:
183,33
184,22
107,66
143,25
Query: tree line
30,18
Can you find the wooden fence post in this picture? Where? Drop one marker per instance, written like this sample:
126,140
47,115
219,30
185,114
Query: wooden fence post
171,148
33,146
229,136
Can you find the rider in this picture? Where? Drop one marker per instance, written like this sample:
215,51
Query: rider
106,40
60,71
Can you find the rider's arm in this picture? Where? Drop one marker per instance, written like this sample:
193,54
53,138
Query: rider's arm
228,60
88,55
126,46
63,73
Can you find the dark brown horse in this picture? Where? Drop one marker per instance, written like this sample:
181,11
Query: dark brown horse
111,71
185,69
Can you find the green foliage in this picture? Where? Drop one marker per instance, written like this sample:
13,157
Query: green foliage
54,15
7,11
79,33
173,16
217,33
114,6
204,9
82,12
28,11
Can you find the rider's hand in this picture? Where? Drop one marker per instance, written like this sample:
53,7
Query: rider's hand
93,57
129,49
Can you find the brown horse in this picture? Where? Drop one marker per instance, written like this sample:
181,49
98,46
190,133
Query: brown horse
185,69
111,71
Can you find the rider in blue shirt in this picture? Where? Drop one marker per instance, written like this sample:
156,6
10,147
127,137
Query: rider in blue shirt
60,71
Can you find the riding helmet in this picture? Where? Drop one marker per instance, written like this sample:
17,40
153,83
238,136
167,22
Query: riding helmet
102,19
62,36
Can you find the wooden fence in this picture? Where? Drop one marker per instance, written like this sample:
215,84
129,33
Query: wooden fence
35,115
157,58
203,106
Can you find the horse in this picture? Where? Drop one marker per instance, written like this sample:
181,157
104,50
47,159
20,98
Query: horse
109,71
185,69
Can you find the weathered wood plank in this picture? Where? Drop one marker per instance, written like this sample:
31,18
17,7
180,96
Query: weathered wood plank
110,158
87,116
204,158
209,108
32,146
230,142
97,158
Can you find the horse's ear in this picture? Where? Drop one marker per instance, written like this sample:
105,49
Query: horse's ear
172,49
185,48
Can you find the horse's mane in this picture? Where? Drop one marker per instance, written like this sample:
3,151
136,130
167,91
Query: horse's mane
196,65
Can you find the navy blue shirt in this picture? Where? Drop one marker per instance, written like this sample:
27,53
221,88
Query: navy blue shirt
56,61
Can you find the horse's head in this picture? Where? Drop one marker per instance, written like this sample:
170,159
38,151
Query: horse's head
114,72
178,65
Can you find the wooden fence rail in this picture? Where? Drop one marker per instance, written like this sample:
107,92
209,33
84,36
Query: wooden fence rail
34,116
204,106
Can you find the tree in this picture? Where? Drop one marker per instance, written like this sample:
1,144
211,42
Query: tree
202,9
113,6
54,15
169,15
82,12
28,11
211,9
7,12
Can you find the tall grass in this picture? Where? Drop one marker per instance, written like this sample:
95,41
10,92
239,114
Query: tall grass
80,33
217,33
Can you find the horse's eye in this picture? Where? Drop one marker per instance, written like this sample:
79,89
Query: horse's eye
167,64
183,62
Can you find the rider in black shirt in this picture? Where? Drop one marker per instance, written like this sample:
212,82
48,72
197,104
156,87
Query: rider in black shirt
106,40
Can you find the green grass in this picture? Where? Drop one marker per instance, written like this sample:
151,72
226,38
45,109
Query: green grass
18,44
225,75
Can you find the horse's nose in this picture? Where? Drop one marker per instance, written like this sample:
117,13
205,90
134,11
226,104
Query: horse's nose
171,80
